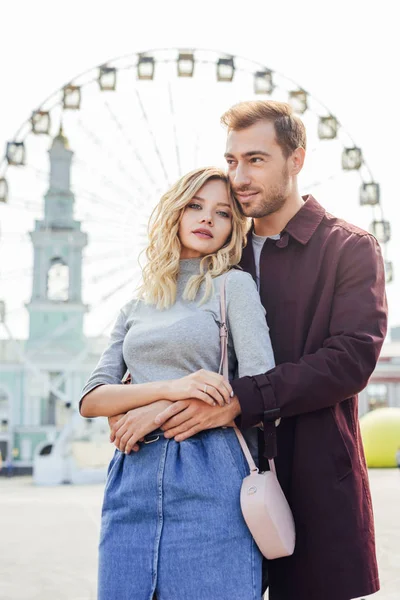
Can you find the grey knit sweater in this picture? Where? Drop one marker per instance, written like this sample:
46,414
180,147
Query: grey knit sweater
157,344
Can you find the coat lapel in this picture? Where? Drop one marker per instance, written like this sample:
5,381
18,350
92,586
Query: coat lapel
247,262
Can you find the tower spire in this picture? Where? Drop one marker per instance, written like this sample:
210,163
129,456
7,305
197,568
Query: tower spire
56,308
61,138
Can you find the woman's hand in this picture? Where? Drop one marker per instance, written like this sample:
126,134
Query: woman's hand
203,385
185,418
131,428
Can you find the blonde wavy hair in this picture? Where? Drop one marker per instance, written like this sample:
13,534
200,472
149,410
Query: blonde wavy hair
163,252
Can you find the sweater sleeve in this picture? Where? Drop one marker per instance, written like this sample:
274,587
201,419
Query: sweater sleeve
247,325
111,366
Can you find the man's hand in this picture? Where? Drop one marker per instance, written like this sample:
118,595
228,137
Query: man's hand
185,418
130,428
111,422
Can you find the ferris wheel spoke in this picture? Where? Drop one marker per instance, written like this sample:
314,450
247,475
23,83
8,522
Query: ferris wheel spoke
16,274
132,148
113,237
312,150
37,208
22,204
40,174
153,138
173,120
202,128
88,261
196,150
319,182
110,294
104,221
100,178
121,167
14,237
111,272
105,204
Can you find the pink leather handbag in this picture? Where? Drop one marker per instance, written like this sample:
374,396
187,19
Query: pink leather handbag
264,506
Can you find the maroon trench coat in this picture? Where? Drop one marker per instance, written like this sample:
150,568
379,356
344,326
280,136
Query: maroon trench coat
322,285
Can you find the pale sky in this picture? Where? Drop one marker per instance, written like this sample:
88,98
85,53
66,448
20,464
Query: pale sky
343,53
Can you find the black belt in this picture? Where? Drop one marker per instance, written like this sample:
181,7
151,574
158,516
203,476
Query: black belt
154,436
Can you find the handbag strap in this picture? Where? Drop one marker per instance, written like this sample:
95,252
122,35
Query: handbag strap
224,370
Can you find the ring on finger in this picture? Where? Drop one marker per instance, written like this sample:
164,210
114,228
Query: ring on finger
205,389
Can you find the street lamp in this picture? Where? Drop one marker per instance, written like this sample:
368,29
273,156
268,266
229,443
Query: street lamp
351,159
107,78
369,194
381,230
263,83
15,153
40,120
72,97
145,67
225,69
3,190
298,101
185,64
327,128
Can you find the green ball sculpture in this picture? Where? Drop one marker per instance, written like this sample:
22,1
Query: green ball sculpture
380,430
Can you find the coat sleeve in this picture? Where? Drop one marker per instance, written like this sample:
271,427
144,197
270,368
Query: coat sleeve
343,365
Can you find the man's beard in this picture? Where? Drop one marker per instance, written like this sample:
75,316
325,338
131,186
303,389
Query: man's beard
273,201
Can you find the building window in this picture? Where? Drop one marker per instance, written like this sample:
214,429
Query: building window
49,410
3,451
377,394
4,411
58,281
49,404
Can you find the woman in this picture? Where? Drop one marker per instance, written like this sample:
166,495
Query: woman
171,520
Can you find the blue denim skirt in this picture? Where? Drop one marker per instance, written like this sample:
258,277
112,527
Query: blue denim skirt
172,523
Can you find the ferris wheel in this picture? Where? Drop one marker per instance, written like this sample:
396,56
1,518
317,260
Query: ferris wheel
135,124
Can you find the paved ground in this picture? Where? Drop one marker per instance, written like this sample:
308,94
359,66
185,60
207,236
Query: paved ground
49,539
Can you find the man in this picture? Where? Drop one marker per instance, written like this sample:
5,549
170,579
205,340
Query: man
321,281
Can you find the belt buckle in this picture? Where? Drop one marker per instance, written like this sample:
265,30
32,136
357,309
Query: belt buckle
150,441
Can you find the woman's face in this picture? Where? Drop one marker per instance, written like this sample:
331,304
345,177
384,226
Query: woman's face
206,223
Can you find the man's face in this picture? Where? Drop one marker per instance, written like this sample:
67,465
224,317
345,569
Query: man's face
257,169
